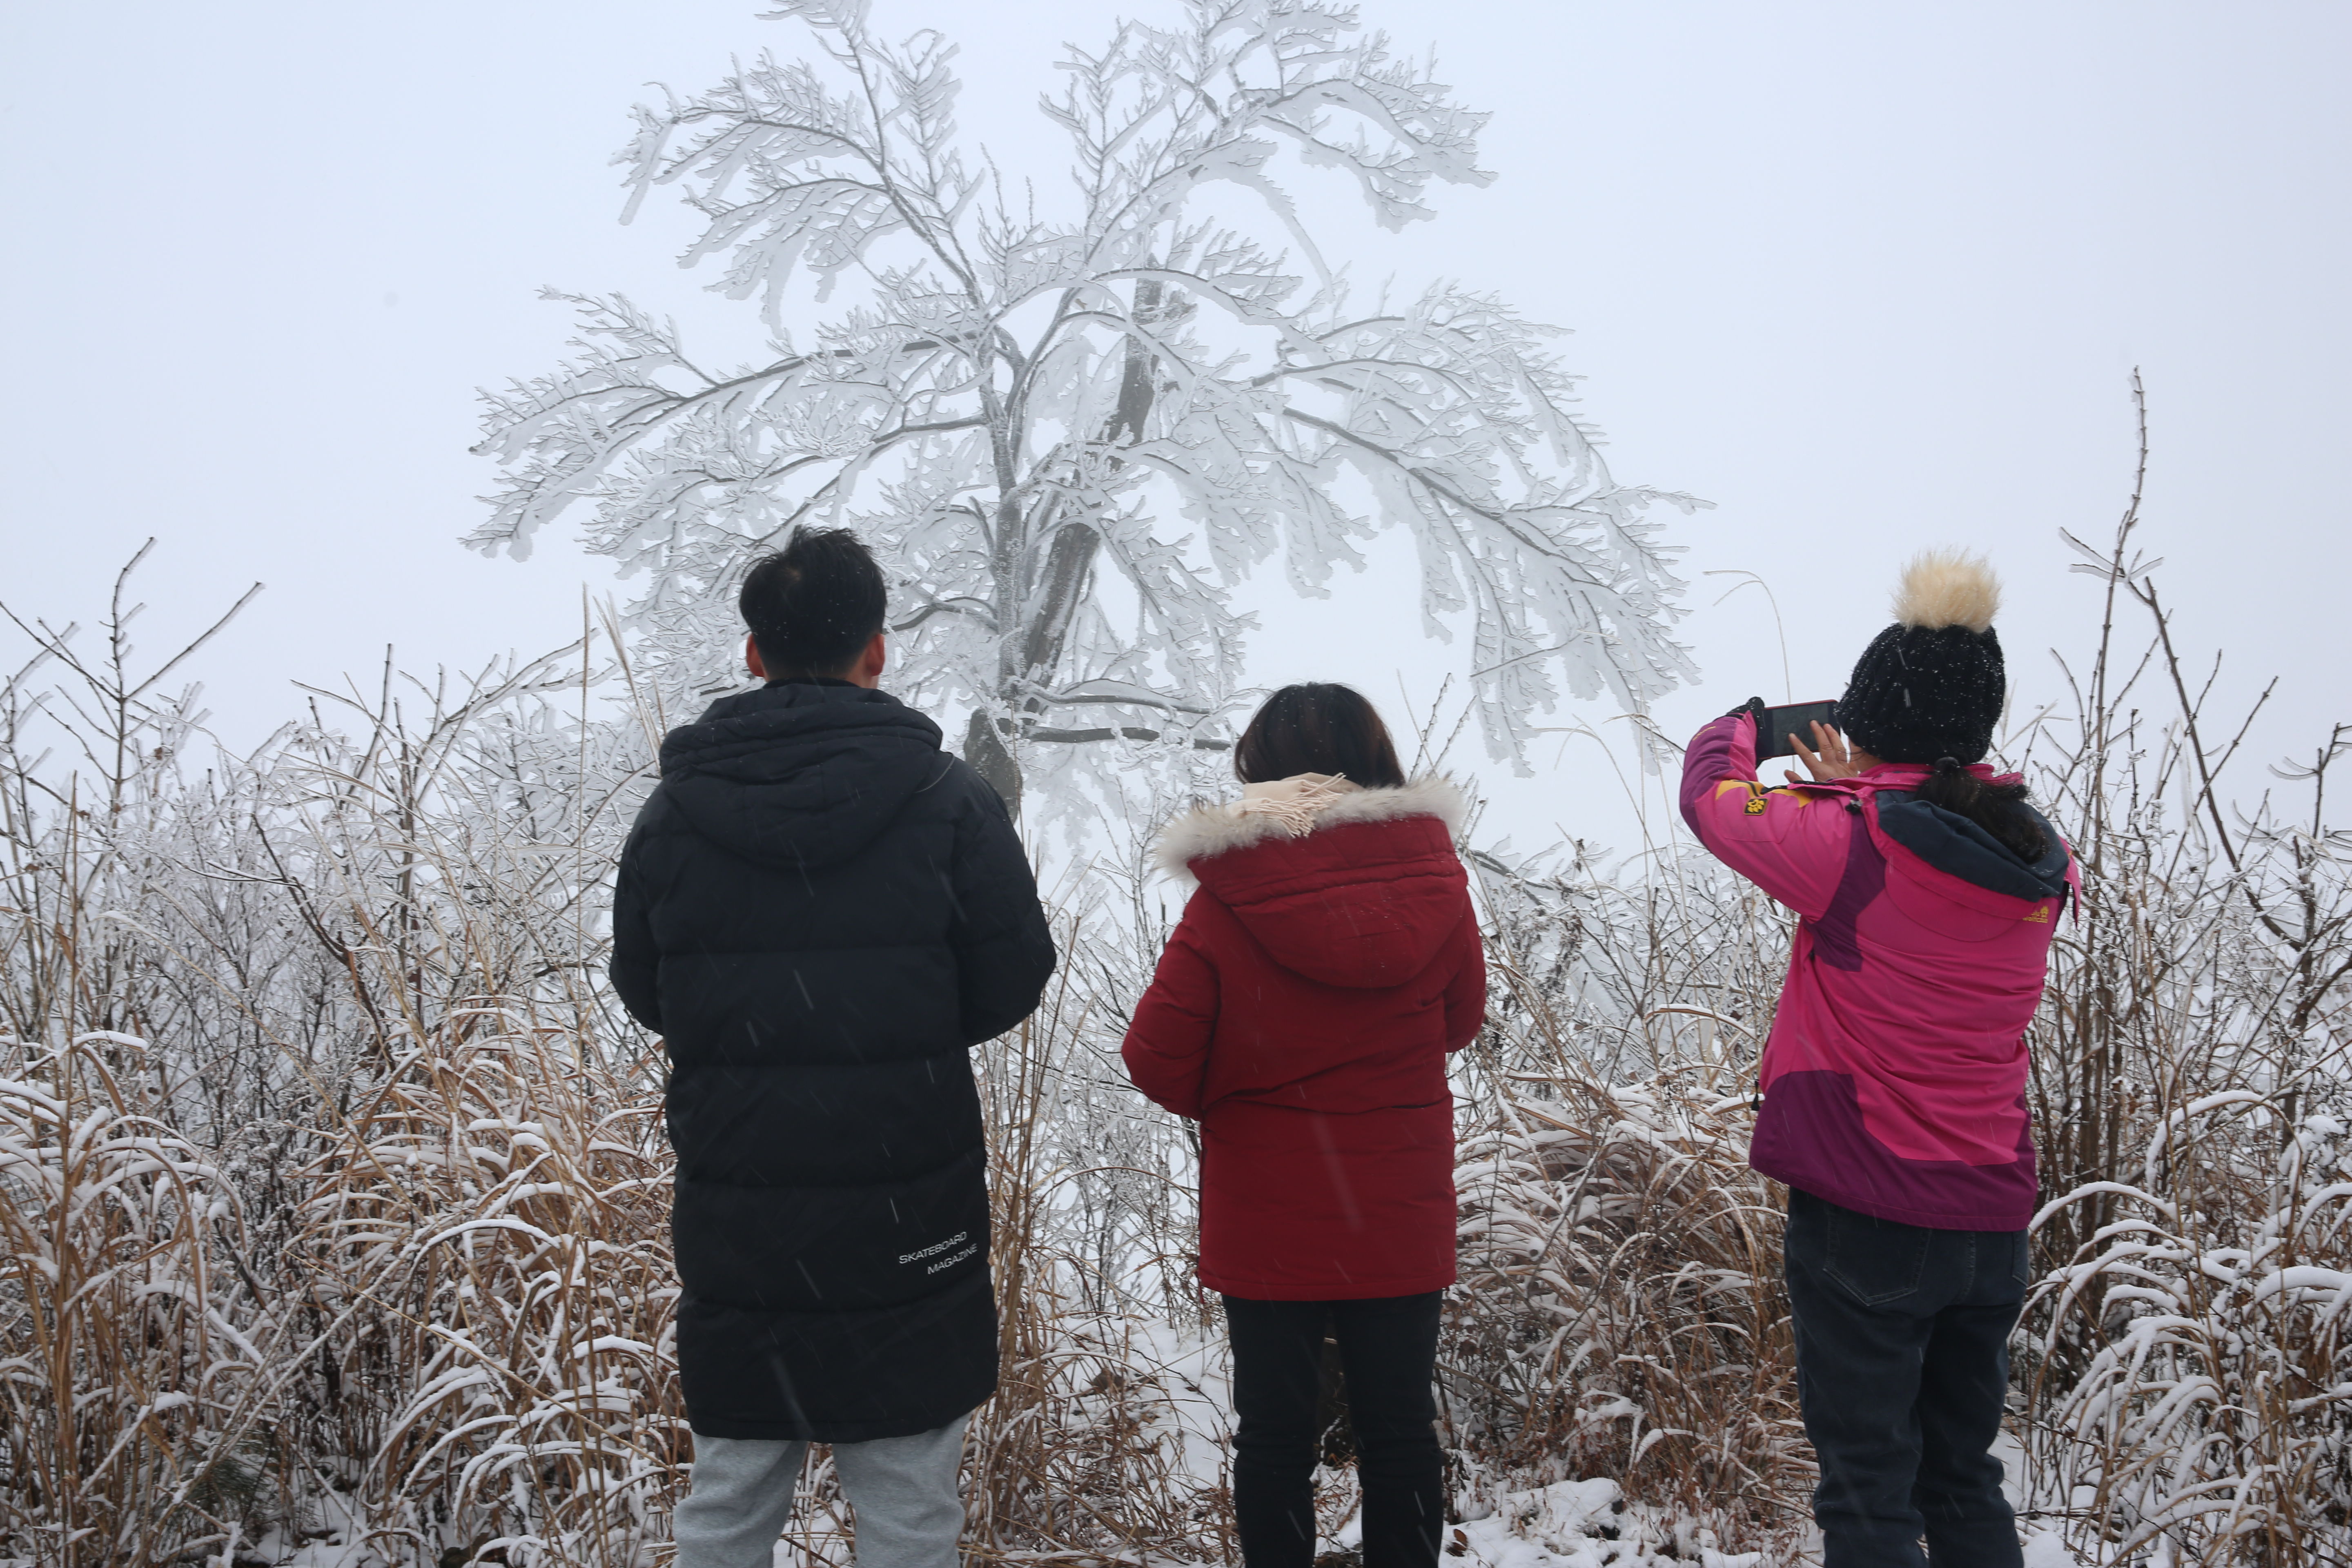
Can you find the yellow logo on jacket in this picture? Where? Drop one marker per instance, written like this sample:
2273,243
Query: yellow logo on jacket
1756,801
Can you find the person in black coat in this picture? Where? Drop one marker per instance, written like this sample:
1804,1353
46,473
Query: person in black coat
821,913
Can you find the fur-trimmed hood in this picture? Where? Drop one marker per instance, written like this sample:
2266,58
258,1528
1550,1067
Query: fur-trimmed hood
1212,830
1358,887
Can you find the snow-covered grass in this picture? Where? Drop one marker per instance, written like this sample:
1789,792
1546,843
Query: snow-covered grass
1618,1311
333,1193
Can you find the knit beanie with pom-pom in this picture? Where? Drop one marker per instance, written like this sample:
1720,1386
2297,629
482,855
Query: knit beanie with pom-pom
1931,686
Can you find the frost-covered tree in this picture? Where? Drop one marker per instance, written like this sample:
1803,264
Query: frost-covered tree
1071,424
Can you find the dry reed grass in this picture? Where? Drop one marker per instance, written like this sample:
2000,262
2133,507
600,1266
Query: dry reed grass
2185,1375
332,1192
135,1394
490,1226
1618,1313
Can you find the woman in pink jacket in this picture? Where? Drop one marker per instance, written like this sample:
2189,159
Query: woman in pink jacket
1893,1079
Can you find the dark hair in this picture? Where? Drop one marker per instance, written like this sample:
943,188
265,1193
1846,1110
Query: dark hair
2000,809
1317,728
814,604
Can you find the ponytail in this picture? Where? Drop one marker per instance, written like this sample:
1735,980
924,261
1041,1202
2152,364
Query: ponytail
1998,808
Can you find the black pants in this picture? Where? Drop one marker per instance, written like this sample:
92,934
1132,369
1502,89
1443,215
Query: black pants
1388,1353
1902,1370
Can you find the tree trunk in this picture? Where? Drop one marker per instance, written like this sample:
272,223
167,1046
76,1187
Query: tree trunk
1061,594
1062,578
985,750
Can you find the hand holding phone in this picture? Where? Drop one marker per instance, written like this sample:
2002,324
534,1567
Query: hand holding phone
1780,731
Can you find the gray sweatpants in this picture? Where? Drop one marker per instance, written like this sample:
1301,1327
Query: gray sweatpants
904,1490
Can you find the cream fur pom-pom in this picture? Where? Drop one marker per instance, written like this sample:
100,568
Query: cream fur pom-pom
1948,588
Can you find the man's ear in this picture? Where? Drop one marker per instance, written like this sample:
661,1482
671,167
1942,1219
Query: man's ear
752,659
867,670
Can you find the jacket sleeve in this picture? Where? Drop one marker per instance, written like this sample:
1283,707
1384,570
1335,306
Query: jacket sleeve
1167,1046
1003,948
1465,994
635,967
1791,843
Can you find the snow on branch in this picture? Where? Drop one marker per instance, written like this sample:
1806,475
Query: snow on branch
1069,433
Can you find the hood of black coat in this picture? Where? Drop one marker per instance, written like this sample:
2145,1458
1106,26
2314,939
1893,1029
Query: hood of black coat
1951,843
800,774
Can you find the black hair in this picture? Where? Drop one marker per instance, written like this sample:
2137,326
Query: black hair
1317,728
2000,809
814,604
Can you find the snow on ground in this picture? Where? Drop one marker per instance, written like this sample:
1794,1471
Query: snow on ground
1567,1524
1579,1524
2045,1544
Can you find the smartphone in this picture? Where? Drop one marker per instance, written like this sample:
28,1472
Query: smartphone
1775,725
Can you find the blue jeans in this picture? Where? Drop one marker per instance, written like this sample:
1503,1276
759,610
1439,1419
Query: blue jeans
1902,1370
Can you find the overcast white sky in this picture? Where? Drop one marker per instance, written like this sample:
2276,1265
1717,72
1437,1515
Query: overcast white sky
1866,277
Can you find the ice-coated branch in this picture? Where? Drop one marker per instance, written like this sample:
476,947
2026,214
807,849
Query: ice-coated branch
1069,432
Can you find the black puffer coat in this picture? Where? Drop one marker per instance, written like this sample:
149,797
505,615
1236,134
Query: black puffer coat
821,913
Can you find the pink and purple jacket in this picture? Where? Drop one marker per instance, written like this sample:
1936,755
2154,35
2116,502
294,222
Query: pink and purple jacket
1893,1079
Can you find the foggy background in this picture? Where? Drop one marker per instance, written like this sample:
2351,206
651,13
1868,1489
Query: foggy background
1866,278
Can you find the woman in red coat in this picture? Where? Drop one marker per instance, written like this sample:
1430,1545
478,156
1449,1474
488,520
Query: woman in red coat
1303,1012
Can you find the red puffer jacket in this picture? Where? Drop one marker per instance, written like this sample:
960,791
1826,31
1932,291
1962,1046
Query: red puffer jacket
1303,1013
